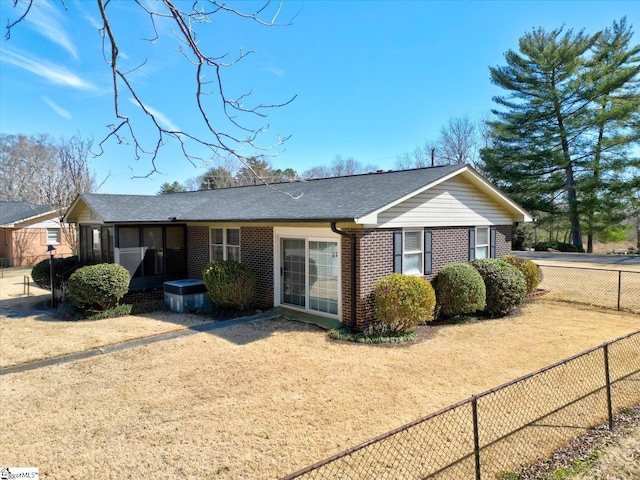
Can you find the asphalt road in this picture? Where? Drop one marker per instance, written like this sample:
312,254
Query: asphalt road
619,260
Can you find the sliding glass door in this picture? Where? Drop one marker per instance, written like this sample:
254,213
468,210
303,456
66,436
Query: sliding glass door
309,274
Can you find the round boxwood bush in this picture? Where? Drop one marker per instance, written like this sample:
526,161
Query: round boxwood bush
460,290
62,270
528,268
505,284
403,301
230,284
103,284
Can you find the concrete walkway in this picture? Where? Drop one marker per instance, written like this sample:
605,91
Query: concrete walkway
117,347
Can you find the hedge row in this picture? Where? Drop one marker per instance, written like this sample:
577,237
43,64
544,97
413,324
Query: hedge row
489,286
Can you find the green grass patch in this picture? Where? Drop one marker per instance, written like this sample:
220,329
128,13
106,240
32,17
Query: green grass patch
359,337
578,466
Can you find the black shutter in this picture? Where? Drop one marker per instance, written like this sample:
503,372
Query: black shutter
472,243
428,239
492,242
397,251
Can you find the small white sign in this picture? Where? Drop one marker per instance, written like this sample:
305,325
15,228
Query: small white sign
11,473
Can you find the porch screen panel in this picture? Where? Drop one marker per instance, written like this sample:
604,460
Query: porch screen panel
323,277
153,251
175,251
293,272
130,250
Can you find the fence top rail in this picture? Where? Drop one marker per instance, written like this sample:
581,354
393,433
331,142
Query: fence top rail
554,365
377,439
617,270
454,406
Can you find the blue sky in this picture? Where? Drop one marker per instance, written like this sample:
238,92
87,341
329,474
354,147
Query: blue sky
372,80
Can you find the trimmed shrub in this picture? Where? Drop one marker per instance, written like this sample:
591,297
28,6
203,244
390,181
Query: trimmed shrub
556,245
103,284
528,268
460,290
505,284
230,284
62,270
403,301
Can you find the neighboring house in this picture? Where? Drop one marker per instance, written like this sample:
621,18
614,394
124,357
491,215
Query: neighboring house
313,245
25,231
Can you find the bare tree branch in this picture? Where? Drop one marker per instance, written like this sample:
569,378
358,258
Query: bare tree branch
232,136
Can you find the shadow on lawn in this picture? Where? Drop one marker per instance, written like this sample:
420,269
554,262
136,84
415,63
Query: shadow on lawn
262,326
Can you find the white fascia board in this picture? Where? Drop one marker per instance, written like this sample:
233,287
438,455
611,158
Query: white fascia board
372,217
495,192
34,219
77,203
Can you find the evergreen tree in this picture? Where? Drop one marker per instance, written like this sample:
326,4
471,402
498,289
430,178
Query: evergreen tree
559,144
174,187
217,177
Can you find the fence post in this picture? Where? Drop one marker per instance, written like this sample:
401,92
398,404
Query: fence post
607,375
619,287
476,435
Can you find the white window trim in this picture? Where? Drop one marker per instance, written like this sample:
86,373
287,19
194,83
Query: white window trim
483,245
420,252
58,236
224,242
309,235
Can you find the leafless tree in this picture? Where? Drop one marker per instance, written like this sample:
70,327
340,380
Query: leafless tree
339,167
422,156
36,169
459,141
228,122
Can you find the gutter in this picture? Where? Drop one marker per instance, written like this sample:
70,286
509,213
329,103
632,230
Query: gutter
352,237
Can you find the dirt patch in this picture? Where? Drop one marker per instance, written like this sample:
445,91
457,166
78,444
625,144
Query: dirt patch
265,399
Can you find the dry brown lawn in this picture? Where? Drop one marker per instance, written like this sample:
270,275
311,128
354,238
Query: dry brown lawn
262,400
620,461
28,337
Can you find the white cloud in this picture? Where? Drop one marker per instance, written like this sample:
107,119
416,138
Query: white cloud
57,108
160,117
276,71
46,20
45,69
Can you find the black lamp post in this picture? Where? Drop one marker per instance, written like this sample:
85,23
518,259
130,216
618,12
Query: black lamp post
51,249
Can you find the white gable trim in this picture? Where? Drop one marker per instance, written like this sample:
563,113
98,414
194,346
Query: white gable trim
76,211
28,221
371,219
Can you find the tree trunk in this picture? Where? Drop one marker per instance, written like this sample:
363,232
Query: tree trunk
576,236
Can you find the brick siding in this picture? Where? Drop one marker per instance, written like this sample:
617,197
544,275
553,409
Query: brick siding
374,253
197,250
503,240
256,251
374,250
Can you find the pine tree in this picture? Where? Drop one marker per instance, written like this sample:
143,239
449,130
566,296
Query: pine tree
560,142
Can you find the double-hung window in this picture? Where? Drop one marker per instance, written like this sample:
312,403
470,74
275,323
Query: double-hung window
225,244
412,252
53,236
482,242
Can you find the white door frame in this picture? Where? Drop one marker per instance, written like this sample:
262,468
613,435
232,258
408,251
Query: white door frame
308,234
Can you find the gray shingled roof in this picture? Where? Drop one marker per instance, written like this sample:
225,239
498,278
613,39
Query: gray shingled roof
12,212
336,199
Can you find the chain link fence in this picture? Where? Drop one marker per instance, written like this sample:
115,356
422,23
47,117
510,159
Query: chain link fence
618,289
503,430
